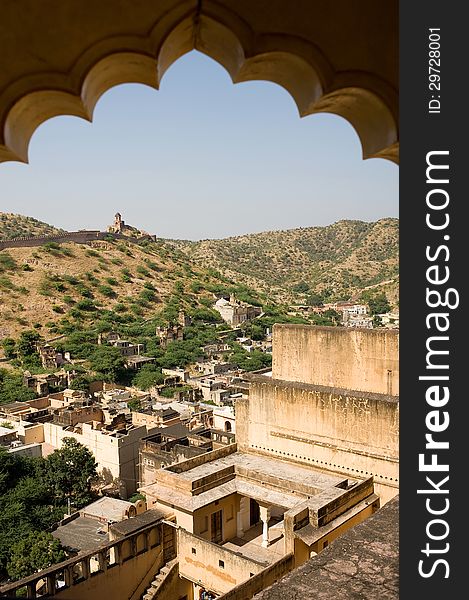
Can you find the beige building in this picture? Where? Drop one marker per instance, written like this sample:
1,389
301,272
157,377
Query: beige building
238,513
224,419
115,451
235,312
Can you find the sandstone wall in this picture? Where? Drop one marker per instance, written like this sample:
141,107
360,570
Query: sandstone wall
342,357
348,432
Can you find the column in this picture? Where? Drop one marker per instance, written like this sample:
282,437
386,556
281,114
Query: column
265,518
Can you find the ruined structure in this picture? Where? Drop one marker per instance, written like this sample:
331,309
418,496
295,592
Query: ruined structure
120,226
173,333
235,312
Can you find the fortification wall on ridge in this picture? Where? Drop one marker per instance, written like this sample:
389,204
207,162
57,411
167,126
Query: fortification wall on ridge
79,237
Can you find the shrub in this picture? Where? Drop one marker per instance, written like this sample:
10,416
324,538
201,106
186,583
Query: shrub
140,269
7,262
86,305
107,291
147,295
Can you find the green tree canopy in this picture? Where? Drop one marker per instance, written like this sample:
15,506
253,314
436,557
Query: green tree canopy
108,361
26,348
9,347
34,552
69,473
301,287
12,388
147,377
378,303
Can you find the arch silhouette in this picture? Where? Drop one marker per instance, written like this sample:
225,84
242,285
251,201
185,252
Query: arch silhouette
363,99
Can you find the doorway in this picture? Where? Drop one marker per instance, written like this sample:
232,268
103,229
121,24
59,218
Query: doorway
216,527
254,512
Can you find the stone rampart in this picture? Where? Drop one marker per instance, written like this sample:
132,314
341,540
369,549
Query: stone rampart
79,237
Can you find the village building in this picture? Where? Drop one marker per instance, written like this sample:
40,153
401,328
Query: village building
216,350
89,527
214,367
357,321
390,319
172,333
46,383
50,357
224,419
162,417
127,348
181,374
236,312
114,446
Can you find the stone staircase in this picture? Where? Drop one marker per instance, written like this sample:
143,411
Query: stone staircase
157,582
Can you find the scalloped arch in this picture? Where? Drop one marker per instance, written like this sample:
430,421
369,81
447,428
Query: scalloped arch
293,63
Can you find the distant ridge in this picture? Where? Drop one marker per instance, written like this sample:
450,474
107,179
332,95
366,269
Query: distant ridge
14,226
343,258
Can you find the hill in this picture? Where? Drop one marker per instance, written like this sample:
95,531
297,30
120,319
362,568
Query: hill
13,225
337,261
58,288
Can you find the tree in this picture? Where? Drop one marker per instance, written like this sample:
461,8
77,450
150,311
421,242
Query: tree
301,287
314,299
328,318
12,388
26,348
36,551
12,469
82,382
70,472
379,304
108,361
147,377
9,348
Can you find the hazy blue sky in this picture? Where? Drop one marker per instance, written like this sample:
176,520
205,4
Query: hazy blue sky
200,158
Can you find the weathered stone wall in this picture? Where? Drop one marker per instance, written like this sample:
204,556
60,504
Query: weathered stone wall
79,237
266,577
199,561
343,357
348,432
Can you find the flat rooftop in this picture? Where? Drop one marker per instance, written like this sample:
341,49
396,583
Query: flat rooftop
270,466
106,508
262,478
362,563
82,534
128,526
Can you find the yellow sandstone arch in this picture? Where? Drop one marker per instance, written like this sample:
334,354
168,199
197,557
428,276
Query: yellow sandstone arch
299,47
